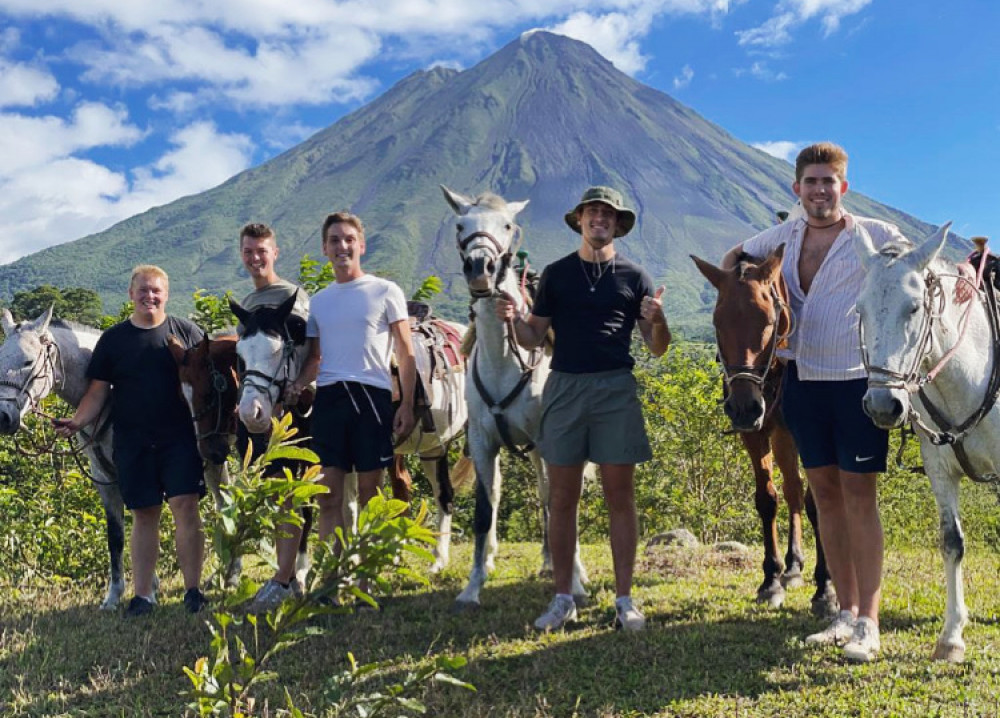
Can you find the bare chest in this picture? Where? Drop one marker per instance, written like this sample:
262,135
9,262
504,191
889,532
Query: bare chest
815,246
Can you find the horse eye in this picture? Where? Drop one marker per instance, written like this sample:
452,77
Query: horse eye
508,227
461,227
27,363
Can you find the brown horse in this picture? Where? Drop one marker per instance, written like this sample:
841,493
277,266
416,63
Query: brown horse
752,321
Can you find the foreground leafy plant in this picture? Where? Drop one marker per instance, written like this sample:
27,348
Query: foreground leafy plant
223,683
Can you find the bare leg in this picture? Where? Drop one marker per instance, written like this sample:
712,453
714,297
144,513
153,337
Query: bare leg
619,495
286,545
145,548
189,537
565,485
825,484
865,530
331,505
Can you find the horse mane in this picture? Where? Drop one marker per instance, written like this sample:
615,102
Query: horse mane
895,250
488,200
746,262
75,326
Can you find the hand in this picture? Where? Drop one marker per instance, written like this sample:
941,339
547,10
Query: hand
403,422
292,393
652,308
65,427
965,290
506,309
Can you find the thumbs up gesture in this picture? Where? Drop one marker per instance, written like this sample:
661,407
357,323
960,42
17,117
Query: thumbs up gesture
652,307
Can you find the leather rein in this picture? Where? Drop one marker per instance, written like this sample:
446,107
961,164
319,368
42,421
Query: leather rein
913,382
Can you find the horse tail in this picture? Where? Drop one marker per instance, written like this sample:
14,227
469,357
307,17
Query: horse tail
463,474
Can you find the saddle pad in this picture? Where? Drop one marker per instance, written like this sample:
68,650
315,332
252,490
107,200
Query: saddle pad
452,344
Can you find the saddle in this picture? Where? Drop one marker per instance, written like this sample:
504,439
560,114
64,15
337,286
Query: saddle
436,352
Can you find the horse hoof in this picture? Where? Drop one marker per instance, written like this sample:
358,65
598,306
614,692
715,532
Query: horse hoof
952,654
825,605
773,599
460,607
792,580
581,600
108,605
545,572
437,568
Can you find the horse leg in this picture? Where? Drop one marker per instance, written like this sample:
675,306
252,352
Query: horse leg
444,495
217,475
114,515
542,476
758,447
793,489
824,601
487,462
400,479
302,562
950,645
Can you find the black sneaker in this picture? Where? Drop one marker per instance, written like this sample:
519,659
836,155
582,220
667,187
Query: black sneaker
194,600
139,606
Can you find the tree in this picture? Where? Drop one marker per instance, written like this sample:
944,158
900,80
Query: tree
75,304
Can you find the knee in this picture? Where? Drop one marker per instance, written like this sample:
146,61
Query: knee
952,541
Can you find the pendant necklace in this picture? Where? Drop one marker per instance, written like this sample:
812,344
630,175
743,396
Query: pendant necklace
599,271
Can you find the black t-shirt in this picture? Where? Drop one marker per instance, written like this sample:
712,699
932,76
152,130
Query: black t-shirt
592,318
146,401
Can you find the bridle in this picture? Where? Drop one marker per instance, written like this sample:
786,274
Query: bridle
45,366
912,382
498,253
279,380
218,387
750,372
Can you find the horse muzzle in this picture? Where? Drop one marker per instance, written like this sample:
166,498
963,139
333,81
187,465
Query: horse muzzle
10,418
255,414
888,408
746,413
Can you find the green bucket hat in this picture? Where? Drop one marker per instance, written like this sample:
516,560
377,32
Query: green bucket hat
609,196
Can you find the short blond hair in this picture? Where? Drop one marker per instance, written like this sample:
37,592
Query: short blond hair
148,270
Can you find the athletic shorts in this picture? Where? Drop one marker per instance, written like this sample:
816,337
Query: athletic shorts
592,417
258,443
352,426
830,426
148,473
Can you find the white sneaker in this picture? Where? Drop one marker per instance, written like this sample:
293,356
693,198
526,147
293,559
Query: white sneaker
627,616
561,611
864,644
839,632
271,595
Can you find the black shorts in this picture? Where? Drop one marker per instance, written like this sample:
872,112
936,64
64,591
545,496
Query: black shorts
258,443
149,472
352,426
830,426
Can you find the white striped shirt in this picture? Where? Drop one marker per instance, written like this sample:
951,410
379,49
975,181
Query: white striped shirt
825,343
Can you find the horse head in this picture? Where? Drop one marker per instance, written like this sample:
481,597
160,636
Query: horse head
27,367
900,300
751,320
207,374
271,348
486,232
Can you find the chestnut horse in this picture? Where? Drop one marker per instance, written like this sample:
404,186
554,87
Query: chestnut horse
752,320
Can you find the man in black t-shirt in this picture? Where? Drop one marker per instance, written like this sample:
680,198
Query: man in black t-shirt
155,452
593,299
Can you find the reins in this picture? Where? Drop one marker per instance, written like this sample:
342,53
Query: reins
913,383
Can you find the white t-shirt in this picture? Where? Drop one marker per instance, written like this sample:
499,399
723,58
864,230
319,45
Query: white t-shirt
352,321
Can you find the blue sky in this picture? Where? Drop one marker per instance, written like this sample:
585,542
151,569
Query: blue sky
108,108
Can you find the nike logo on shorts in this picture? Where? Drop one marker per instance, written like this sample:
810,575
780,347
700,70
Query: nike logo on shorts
860,459
385,458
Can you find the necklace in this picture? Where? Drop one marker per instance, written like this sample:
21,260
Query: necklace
598,271
825,226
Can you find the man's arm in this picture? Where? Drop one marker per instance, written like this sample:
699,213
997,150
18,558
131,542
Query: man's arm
87,411
529,330
310,369
653,325
402,345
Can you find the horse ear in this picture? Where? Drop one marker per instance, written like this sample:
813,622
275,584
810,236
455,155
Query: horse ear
42,322
770,268
713,274
458,202
516,207
929,250
285,308
238,311
7,322
864,245
177,350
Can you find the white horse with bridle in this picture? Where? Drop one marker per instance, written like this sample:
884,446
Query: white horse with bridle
932,362
504,391
45,355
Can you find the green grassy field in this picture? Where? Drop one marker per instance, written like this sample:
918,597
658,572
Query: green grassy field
709,650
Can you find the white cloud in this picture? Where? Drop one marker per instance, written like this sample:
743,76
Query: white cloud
790,14
613,35
684,79
24,85
761,71
80,196
782,149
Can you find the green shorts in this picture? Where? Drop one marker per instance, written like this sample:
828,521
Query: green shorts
592,417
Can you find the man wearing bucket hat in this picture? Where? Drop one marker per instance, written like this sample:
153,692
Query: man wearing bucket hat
593,299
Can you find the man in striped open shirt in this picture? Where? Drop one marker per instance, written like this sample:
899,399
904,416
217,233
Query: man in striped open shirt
841,449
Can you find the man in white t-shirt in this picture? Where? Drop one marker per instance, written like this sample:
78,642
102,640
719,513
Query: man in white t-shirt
355,326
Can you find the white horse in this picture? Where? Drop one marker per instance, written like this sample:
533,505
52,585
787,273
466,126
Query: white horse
45,355
505,392
933,362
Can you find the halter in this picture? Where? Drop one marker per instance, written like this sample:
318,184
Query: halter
503,257
218,387
749,372
913,383
279,380
43,367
